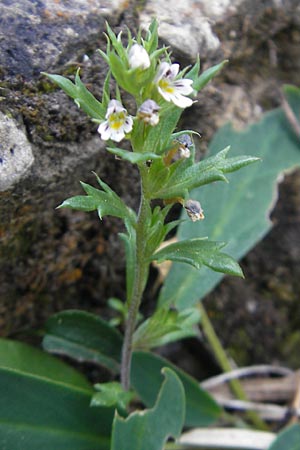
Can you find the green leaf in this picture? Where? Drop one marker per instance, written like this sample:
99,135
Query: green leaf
80,94
288,439
194,175
84,337
106,202
151,428
166,326
45,404
198,252
133,157
146,379
111,394
203,79
159,136
238,212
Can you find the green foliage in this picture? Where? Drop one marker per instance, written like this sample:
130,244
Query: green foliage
146,379
111,394
84,337
80,94
199,252
166,326
288,439
151,428
133,158
183,176
237,212
106,202
45,404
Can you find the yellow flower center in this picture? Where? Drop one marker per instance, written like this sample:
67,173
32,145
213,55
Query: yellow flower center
166,86
116,120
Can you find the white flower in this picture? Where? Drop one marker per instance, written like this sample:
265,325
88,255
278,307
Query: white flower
117,124
148,112
173,90
138,57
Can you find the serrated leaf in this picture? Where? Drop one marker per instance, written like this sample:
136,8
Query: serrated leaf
133,157
166,326
45,404
111,394
288,439
80,94
238,212
106,202
84,337
211,169
146,379
151,428
200,252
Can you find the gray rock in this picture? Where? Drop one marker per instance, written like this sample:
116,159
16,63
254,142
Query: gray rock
15,153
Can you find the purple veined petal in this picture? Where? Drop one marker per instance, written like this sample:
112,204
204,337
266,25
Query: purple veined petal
174,69
104,130
162,70
127,127
114,106
184,86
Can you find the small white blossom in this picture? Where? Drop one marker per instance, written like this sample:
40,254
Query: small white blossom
173,90
117,124
148,112
138,57
185,142
194,210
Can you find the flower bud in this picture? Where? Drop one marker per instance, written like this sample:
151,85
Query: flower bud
148,112
185,142
194,210
138,57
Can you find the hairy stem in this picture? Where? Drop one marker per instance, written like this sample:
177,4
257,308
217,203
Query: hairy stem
225,364
141,271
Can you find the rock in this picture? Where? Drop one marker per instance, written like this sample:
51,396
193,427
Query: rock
15,153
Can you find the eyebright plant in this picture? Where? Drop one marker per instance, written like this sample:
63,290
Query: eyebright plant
168,171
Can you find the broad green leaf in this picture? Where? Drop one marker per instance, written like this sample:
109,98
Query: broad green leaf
146,379
211,169
199,252
111,394
166,326
238,212
288,439
133,157
80,94
45,404
150,429
84,337
26,359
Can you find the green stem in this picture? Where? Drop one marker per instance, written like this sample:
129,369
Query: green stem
141,271
224,362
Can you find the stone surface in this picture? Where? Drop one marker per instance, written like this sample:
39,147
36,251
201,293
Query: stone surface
15,153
